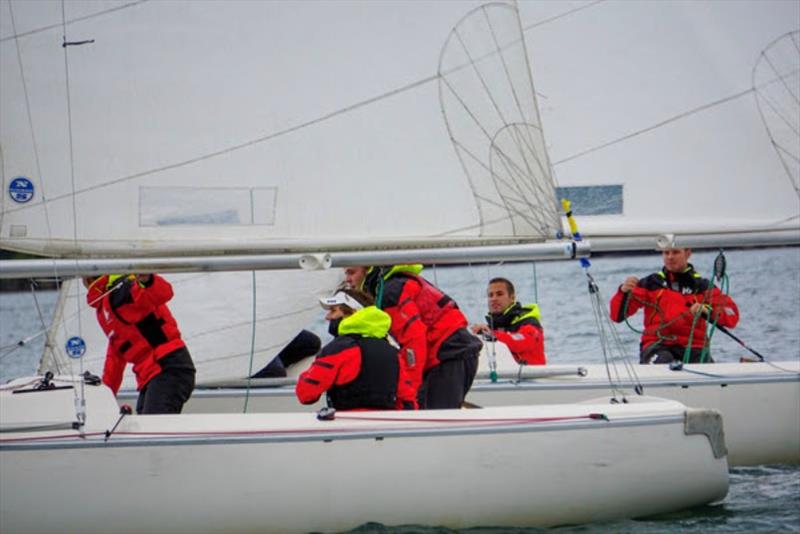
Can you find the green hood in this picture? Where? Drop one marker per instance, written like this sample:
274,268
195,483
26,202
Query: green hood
367,322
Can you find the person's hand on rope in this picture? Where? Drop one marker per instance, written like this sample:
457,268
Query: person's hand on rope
699,308
629,283
480,328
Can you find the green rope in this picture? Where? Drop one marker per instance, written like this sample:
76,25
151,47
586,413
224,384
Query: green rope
724,288
252,348
379,292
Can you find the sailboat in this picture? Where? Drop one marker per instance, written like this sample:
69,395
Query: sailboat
233,142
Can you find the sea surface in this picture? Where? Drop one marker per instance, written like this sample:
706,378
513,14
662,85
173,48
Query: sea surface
765,283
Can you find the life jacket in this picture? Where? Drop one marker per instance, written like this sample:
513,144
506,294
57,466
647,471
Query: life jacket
138,324
666,298
375,387
519,327
438,313
433,304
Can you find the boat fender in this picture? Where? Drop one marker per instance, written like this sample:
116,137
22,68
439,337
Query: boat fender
326,414
709,423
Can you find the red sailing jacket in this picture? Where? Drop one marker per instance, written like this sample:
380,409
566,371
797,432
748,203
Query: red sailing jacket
359,369
519,328
422,318
666,298
139,327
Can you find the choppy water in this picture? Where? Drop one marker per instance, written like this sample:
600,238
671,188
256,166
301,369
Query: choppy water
764,283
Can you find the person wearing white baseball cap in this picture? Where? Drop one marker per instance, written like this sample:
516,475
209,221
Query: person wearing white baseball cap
359,369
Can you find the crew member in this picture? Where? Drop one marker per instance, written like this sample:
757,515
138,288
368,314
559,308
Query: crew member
441,353
358,369
518,326
132,311
677,304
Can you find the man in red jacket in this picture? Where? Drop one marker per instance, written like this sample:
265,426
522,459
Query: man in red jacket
441,354
132,311
517,326
677,304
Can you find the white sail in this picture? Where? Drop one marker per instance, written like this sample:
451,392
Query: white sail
216,126
660,100
210,127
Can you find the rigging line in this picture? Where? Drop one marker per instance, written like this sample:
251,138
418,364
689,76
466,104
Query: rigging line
280,133
528,171
466,108
501,56
34,144
779,113
268,349
562,15
475,226
480,77
605,348
536,109
528,180
207,332
71,21
251,142
782,149
80,398
474,157
520,141
480,162
779,76
510,166
252,345
655,126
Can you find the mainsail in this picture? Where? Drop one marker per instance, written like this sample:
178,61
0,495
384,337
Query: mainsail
210,128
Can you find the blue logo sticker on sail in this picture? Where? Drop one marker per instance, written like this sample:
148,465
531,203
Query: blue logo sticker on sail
76,347
20,189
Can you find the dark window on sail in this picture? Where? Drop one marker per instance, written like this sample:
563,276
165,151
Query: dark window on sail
593,199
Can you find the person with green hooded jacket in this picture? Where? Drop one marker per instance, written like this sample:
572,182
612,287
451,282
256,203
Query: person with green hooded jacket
440,354
359,369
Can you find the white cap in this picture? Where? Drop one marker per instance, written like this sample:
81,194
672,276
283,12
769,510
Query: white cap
339,298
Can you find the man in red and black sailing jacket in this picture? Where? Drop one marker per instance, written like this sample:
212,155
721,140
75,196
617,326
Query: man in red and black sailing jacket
132,311
441,353
517,326
358,369
677,303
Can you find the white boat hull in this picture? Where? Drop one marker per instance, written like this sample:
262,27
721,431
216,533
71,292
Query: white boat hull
513,466
760,402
